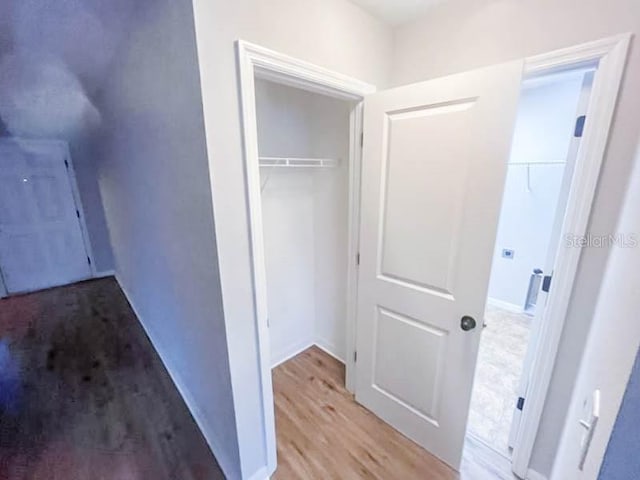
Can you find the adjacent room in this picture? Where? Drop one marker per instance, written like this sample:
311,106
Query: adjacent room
546,139
311,240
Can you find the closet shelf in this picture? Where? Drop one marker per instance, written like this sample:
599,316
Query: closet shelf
295,162
533,164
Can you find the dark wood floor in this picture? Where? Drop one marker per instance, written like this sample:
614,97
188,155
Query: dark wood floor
84,396
322,433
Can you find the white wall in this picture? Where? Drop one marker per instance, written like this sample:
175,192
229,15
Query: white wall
333,33
289,246
153,178
463,34
305,214
543,132
331,209
609,355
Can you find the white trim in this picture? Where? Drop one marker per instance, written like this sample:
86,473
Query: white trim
196,413
329,350
511,307
254,60
298,349
292,352
3,289
534,475
105,273
355,171
283,69
610,54
78,201
262,474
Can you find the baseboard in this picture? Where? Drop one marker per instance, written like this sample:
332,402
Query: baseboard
195,411
505,305
291,352
262,474
533,475
329,349
106,273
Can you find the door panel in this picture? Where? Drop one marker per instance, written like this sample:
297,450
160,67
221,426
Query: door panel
434,163
41,242
412,377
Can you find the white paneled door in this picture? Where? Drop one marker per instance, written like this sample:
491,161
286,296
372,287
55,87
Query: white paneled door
434,163
41,242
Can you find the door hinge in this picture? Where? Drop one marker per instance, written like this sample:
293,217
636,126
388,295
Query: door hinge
579,129
66,163
362,139
268,323
358,258
88,260
546,283
520,404
355,357
77,213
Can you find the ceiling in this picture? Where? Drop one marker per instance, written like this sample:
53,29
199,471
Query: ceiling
396,12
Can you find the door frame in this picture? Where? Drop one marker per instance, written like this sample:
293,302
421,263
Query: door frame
610,55
3,288
257,61
63,148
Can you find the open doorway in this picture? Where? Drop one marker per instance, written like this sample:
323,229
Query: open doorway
549,127
303,142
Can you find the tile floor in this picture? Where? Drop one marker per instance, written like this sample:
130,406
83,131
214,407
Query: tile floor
502,351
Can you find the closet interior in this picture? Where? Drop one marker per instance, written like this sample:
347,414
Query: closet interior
303,141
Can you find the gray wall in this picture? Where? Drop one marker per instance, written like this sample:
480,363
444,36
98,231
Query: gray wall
53,57
465,34
621,461
153,177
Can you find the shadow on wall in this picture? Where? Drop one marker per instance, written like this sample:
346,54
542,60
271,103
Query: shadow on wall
54,57
621,461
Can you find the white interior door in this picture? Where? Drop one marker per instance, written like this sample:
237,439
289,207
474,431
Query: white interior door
434,164
41,243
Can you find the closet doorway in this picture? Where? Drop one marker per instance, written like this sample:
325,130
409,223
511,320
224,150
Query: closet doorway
303,148
303,142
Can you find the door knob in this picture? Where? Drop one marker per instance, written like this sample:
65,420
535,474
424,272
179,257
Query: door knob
467,323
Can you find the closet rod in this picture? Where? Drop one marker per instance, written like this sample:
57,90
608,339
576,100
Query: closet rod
528,164
283,162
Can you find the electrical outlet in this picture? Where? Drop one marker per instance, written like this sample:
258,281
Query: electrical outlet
507,253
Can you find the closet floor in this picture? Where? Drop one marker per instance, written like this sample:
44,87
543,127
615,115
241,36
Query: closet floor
323,433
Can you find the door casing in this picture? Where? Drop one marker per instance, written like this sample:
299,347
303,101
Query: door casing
253,60
256,61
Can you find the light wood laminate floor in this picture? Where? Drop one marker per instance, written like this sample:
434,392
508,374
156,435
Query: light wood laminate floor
323,433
